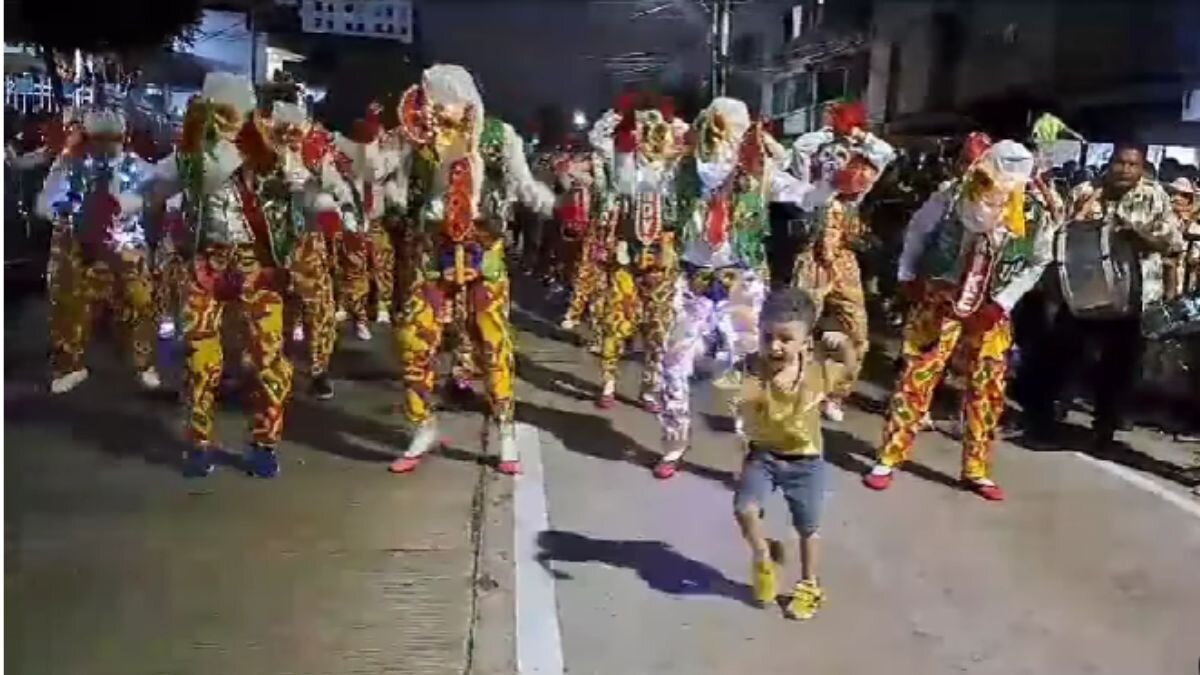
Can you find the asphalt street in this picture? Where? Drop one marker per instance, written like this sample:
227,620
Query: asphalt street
586,564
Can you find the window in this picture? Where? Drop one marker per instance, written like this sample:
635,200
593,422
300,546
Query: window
316,23
378,28
360,28
390,11
831,84
388,28
349,7
779,96
318,5
349,26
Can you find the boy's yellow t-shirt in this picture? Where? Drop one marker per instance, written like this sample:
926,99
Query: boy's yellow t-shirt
789,422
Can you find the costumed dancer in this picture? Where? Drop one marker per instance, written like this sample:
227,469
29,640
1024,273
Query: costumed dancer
842,162
972,250
306,150
462,258
369,245
93,195
641,146
581,177
505,183
724,186
244,214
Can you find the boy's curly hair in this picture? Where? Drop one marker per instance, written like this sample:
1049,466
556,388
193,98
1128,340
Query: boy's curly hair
789,304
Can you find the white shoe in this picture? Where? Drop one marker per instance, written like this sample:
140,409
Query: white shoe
568,324
340,315
423,440
166,329
298,334
383,316
833,411
149,379
362,331
62,385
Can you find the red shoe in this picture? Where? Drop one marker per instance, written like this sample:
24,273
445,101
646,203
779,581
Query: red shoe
606,401
666,470
878,482
512,468
405,465
990,492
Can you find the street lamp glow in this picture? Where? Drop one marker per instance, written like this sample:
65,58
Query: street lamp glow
579,119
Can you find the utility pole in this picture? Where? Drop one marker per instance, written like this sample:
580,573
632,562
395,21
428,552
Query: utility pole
720,13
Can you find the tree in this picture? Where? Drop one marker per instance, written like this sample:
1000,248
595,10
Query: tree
119,28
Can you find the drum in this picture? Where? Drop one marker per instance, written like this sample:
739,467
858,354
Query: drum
1098,270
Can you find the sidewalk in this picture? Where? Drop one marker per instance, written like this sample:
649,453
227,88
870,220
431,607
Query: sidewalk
118,565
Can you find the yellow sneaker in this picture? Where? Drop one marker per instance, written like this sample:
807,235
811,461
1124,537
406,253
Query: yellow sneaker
806,600
764,582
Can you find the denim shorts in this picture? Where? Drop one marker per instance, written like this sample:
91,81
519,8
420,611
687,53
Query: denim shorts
801,479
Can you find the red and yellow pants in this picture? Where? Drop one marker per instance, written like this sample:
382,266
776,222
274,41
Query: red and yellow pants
836,283
312,283
355,273
233,277
383,267
170,283
639,299
122,281
931,336
419,337
588,293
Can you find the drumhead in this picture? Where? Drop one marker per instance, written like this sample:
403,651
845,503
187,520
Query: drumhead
1098,270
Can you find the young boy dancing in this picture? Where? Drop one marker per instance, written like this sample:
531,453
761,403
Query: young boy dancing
781,408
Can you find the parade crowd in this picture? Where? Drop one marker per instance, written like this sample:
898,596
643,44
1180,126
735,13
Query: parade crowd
708,239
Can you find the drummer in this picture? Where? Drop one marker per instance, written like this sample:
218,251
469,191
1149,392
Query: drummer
1139,205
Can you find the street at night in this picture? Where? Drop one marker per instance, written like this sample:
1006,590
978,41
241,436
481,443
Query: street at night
638,337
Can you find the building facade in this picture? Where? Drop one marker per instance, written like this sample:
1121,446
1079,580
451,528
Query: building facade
824,58
380,19
1111,68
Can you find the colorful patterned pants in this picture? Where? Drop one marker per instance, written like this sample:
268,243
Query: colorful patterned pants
836,284
698,321
463,368
419,339
383,267
588,294
120,280
170,283
931,336
355,274
233,277
312,283
637,300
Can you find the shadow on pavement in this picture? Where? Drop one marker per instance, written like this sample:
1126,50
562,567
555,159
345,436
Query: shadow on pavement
595,436
856,456
325,428
562,383
1070,438
114,432
658,564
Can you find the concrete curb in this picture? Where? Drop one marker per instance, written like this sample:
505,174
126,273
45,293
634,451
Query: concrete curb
492,641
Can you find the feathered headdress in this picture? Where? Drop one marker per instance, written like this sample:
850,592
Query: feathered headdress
845,117
974,146
625,133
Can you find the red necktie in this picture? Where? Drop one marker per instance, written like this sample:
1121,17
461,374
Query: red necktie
368,199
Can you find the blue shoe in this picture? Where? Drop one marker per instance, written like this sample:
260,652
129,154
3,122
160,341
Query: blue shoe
198,463
262,462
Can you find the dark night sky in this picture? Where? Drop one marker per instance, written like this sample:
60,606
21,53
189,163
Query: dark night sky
528,53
